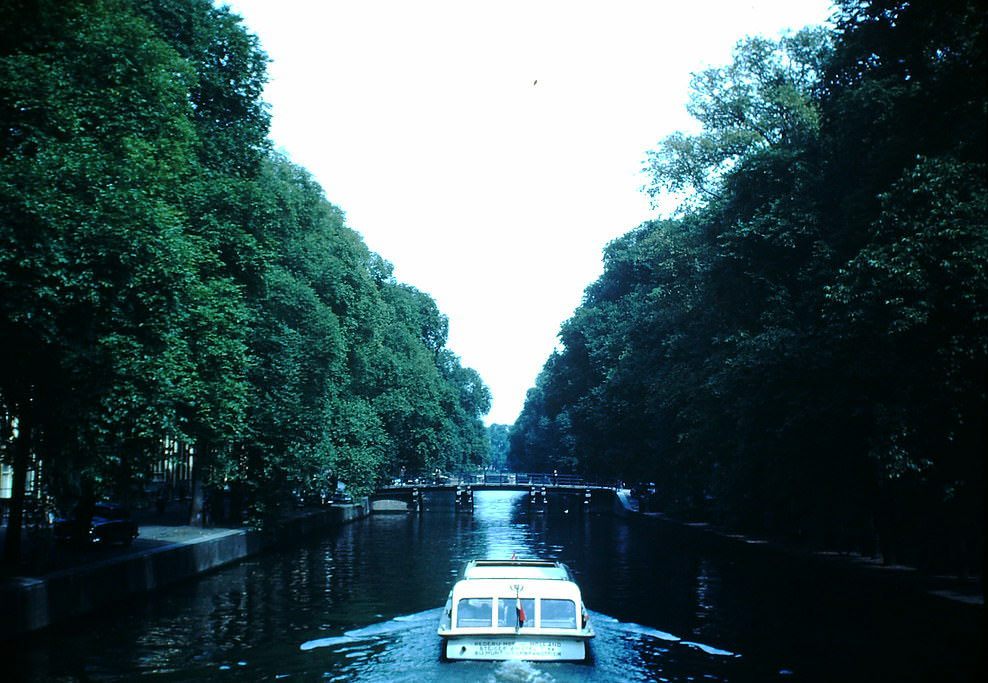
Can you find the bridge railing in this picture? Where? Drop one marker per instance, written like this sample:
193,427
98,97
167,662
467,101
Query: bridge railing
496,478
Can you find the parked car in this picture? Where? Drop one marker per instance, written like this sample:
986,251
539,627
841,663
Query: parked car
110,523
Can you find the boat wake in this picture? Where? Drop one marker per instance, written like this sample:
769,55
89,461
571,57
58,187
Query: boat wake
409,622
628,628
406,648
406,622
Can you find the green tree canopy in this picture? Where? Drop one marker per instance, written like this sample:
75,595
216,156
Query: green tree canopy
166,278
802,351
763,100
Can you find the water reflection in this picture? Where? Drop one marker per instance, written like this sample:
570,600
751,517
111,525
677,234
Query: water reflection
496,515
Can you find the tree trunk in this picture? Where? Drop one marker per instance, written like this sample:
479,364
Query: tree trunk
15,522
197,511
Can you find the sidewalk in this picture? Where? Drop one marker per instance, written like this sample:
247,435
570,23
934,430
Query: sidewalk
41,556
54,584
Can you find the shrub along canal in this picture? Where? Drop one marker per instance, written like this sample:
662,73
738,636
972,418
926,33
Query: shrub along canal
363,602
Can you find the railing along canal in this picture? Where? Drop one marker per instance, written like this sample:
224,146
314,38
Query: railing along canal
494,479
445,492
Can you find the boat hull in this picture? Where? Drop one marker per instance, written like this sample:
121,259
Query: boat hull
530,648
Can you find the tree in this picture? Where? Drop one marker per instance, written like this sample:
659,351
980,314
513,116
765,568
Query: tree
165,277
802,352
762,101
910,308
497,436
221,199
97,271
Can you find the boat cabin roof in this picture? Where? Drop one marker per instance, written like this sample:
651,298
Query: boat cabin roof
516,569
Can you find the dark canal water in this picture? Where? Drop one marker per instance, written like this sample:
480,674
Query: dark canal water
362,604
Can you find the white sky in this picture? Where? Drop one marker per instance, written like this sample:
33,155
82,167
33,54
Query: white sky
495,195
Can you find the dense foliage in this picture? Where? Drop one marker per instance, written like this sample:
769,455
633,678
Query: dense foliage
802,350
165,277
497,436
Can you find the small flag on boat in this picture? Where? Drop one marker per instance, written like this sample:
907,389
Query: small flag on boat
514,556
520,611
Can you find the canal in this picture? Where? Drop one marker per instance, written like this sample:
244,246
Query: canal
362,604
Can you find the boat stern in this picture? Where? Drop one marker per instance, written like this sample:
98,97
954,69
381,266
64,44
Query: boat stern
529,648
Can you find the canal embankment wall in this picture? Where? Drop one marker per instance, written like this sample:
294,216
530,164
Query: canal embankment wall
807,561
32,603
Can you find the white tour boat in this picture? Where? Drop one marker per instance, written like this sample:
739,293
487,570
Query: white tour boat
515,609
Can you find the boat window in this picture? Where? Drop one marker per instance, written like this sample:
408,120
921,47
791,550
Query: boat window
474,612
558,613
507,612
